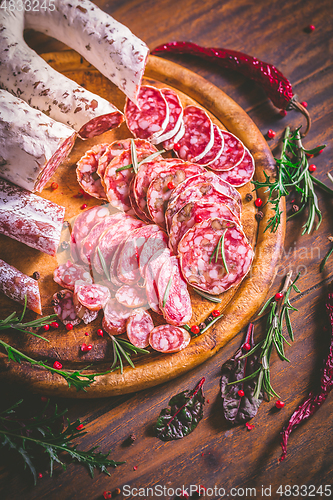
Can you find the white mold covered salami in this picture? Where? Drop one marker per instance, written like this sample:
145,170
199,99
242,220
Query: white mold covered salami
174,298
138,328
86,170
232,154
30,219
32,145
175,116
242,173
67,274
199,135
92,296
152,273
64,308
115,317
131,296
215,255
169,338
17,285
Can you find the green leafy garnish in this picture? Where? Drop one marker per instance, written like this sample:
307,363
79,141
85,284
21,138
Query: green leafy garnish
123,349
167,290
216,251
208,296
103,263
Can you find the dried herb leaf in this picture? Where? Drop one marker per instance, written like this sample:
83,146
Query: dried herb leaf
183,414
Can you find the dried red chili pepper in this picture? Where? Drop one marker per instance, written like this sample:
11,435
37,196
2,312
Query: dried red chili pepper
314,400
276,85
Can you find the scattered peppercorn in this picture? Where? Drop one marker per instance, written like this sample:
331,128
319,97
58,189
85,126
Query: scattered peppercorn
259,216
197,218
54,324
86,348
294,209
46,327
283,112
312,168
79,427
309,29
279,404
319,152
247,347
241,393
195,329
135,467
249,426
279,296
83,206
54,185
304,104
69,326
258,202
57,365
40,475
64,245
216,313
171,185
100,332
176,147
86,334
271,134
107,495
36,275
248,197
202,326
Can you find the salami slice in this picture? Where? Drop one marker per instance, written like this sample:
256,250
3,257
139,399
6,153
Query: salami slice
199,135
204,191
160,189
168,338
131,296
174,298
232,154
64,308
201,250
175,116
67,274
115,317
150,117
128,264
137,211
139,325
109,241
152,272
17,286
195,212
157,241
85,314
169,144
242,173
92,296
216,150
86,172
83,224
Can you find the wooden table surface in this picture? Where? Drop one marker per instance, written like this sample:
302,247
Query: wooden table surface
216,454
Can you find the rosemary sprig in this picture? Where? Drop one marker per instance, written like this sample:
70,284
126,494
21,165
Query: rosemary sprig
103,263
123,349
216,251
293,173
138,164
327,256
134,157
167,290
42,432
207,296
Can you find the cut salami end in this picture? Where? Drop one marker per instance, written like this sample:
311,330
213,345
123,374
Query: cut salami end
115,317
242,173
139,325
215,255
92,296
64,308
168,338
86,172
232,154
67,274
101,124
199,134
131,296
175,116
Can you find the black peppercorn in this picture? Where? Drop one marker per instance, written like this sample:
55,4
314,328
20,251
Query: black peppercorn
259,216
294,209
248,197
36,275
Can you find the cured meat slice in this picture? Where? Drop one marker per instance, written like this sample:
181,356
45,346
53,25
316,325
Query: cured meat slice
109,241
83,224
174,298
216,150
150,117
131,296
195,212
232,154
201,252
160,189
64,308
168,338
115,317
242,173
128,264
67,274
139,325
85,314
157,241
32,145
86,172
199,135
152,272
175,116
169,144
204,191
137,211
117,181
30,219
17,286
148,172
92,296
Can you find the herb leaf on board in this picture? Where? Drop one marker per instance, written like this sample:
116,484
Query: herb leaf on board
183,414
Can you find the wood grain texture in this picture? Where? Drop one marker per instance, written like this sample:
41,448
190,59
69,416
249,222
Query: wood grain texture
215,453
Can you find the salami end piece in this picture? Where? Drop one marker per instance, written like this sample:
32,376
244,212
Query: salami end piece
168,339
139,325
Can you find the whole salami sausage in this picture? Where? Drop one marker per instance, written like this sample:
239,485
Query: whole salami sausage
139,325
86,169
67,274
30,219
152,272
32,145
169,338
115,317
64,307
18,286
199,135
232,154
215,255
242,173
175,116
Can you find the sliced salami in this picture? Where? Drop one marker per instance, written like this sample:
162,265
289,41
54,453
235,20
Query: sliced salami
128,264
150,118
137,211
199,135
115,317
169,144
92,296
204,191
86,172
242,173
195,212
160,189
67,274
131,296
232,154
85,314
174,298
175,116
83,224
216,150
168,338
138,328
201,252
152,272
157,241
64,308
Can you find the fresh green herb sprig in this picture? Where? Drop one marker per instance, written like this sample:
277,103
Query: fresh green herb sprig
216,252
293,174
135,165
123,349
42,432
103,264
327,256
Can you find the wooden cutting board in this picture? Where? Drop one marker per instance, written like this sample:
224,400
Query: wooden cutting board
238,305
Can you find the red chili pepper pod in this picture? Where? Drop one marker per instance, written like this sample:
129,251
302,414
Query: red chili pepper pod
276,85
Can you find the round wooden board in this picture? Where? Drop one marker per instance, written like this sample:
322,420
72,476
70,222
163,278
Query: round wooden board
154,368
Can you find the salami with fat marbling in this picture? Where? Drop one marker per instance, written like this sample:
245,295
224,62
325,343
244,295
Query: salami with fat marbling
131,296
115,317
199,135
242,173
152,272
169,338
139,325
232,154
64,308
67,274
